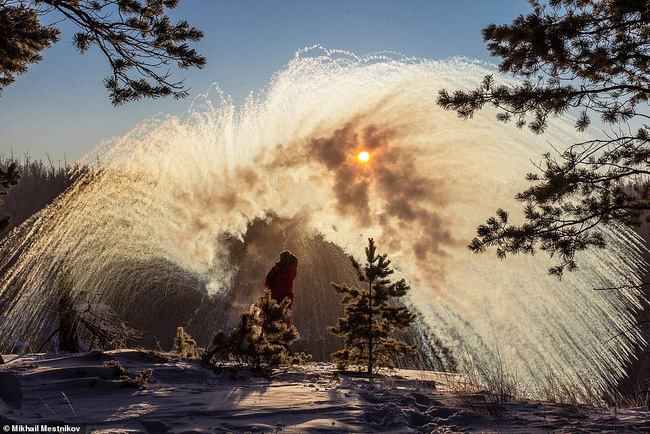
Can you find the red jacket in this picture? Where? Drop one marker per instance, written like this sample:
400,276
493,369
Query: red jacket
280,281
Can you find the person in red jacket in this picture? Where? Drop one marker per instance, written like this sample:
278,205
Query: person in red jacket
279,279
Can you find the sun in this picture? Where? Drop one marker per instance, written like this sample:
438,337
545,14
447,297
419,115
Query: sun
363,156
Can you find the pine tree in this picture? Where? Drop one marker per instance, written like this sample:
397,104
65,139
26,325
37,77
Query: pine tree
260,342
592,55
22,39
137,38
8,179
370,319
185,346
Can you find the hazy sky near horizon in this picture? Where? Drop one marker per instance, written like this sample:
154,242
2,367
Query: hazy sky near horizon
61,108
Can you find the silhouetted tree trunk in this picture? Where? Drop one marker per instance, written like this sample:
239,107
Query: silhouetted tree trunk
68,325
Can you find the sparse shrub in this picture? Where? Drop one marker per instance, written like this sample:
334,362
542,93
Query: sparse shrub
370,319
83,324
118,369
185,346
140,380
102,327
260,342
158,355
486,389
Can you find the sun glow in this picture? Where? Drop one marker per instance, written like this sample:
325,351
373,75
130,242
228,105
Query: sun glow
363,156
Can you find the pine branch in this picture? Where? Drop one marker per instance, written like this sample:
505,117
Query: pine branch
134,37
588,55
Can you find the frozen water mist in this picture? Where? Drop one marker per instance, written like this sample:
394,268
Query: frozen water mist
167,210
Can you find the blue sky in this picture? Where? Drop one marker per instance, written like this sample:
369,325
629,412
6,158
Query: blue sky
60,106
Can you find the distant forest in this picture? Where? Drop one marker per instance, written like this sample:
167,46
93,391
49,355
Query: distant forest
40,183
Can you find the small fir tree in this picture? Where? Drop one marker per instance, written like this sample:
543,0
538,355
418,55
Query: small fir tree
370,319
185,346
261,340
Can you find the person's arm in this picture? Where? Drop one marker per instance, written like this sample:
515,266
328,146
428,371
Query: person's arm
269,277
293,271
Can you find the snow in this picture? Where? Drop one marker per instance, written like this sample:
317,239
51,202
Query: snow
182,396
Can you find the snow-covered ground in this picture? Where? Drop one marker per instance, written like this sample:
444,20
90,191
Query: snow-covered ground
184,397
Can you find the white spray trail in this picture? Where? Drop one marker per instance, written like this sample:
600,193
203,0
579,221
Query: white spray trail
171,189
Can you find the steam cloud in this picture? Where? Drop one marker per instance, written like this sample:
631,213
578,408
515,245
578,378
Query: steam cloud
390,192
174,190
